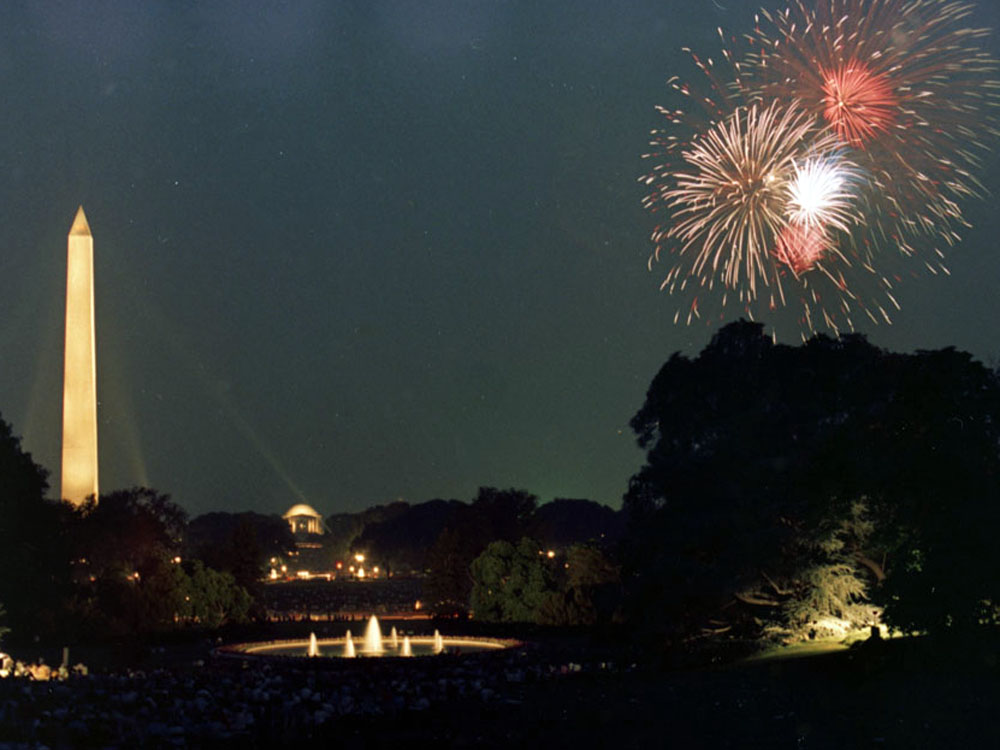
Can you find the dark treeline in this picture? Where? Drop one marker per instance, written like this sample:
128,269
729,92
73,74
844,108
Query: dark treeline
132,562
403,537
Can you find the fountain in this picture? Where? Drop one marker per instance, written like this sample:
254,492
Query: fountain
373,646
373,637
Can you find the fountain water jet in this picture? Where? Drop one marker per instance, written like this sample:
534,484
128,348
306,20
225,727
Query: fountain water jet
373,637
373,646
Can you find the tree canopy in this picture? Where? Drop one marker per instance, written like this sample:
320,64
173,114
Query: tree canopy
510,582
784,485
495,515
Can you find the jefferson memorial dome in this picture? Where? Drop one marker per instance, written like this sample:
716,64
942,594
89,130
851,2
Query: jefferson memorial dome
304,519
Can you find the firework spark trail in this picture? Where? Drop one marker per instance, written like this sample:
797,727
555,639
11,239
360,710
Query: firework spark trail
756,200
900,81
810,170
739,188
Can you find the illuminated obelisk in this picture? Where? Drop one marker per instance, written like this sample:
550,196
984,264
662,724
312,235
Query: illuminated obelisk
79,439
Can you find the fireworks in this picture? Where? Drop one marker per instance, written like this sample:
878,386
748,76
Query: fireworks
858,103
836,150
801,246
740,187
819,194
902,84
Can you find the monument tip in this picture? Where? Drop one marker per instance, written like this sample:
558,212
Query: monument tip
80,225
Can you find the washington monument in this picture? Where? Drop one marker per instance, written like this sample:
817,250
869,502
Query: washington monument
79,438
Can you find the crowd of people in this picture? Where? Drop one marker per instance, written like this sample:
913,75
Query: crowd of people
230,700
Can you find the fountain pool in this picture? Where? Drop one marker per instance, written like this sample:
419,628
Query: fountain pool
373,644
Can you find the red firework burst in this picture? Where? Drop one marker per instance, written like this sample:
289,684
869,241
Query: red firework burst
801,247
901,81
860,104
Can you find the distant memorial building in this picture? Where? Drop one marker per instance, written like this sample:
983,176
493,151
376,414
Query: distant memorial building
308,529
304,520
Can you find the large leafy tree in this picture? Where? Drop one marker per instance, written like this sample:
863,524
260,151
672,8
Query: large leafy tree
781,483
495,515
214,598
511,582
126,561
127,530
931,455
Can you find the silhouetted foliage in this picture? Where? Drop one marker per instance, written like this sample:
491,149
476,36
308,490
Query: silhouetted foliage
511,582
402,542
781,483
126,571
589,589
344,529
126,529
213,598
933,454
33,552
238,543
564,522
495,515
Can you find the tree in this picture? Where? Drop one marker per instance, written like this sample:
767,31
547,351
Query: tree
564,522
590,590
935,451
240,543
449,584
495,515
782,485
126,549
214,598
403,542
126,530
510,583
33,552
345,529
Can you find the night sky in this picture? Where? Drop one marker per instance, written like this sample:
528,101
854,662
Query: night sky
351,252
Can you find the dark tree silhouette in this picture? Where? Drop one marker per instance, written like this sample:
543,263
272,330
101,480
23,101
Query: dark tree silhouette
495,515
126,567
401,543
33,552
238,543
344,529
564,522
590,591
780,482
